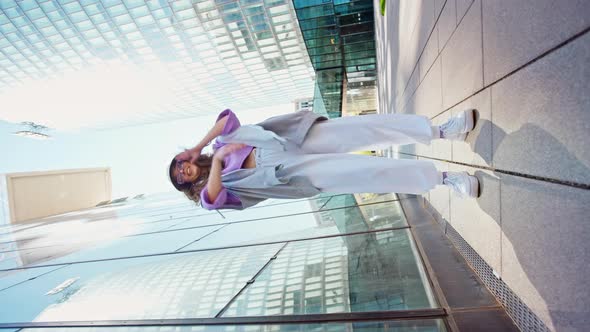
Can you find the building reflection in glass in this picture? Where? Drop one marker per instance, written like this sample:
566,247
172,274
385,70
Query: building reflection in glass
372,271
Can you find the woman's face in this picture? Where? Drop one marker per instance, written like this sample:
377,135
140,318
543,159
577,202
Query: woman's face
185,172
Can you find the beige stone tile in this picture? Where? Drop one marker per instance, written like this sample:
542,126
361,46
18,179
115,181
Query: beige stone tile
542,116
545,250
429,54
478,220
428,96
516,32
447,22
462,58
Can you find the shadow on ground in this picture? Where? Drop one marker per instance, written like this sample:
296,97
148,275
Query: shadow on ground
543,223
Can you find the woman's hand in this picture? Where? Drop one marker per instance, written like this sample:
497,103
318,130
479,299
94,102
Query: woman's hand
190,155
227,149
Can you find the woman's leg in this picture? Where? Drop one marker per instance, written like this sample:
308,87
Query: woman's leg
368,132
352,173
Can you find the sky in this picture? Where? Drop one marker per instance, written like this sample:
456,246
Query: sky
138,156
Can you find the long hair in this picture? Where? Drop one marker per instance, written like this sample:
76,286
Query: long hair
193,190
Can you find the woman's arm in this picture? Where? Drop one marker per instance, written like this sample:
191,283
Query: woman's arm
226,123
214,184
214,132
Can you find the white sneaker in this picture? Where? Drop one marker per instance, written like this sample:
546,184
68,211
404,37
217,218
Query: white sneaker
463,184
457,127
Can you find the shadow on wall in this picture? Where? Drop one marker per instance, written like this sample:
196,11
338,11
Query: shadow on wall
544,223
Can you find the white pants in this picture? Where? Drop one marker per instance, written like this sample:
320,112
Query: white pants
323,156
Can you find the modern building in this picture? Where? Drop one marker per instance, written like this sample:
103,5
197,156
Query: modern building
304,104
202,56
340,39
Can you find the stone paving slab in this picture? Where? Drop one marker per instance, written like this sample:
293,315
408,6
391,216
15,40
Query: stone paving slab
462,7
423,29
462,71
515,32
533,121
410,90
545,249
438,7
478,219
542,116
429,54
447,22
428,97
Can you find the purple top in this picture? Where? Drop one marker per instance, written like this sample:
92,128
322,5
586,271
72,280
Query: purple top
232,162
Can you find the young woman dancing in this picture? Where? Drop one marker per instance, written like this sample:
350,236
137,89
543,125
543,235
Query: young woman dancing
303,154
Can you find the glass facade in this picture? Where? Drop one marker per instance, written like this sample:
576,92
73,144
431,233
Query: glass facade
159,257
340,40
213,54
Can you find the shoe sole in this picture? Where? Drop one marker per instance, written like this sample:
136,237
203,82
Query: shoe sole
469,120
474,186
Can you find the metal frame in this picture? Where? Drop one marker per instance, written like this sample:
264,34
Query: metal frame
244,320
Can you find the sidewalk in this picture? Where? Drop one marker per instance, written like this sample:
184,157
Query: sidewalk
524,65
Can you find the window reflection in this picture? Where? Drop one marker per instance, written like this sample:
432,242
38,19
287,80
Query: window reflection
368,272
178,286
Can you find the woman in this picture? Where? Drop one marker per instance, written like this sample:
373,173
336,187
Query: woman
303,154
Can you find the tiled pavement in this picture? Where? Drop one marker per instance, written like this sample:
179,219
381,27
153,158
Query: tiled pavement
525,66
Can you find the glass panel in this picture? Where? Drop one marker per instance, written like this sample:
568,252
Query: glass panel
425,325
360,62
112,239
362,46
361,54
361,68
256,10
368,272
334,40
326,57
327,222
132,228
320,32
327,64
123,246
356,28
273,2
358,38
306,3
317,11
12,278
353,7
375,214
323,50
172,286
356,18
317,22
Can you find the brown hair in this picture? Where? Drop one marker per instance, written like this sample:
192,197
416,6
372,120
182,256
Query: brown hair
193,190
